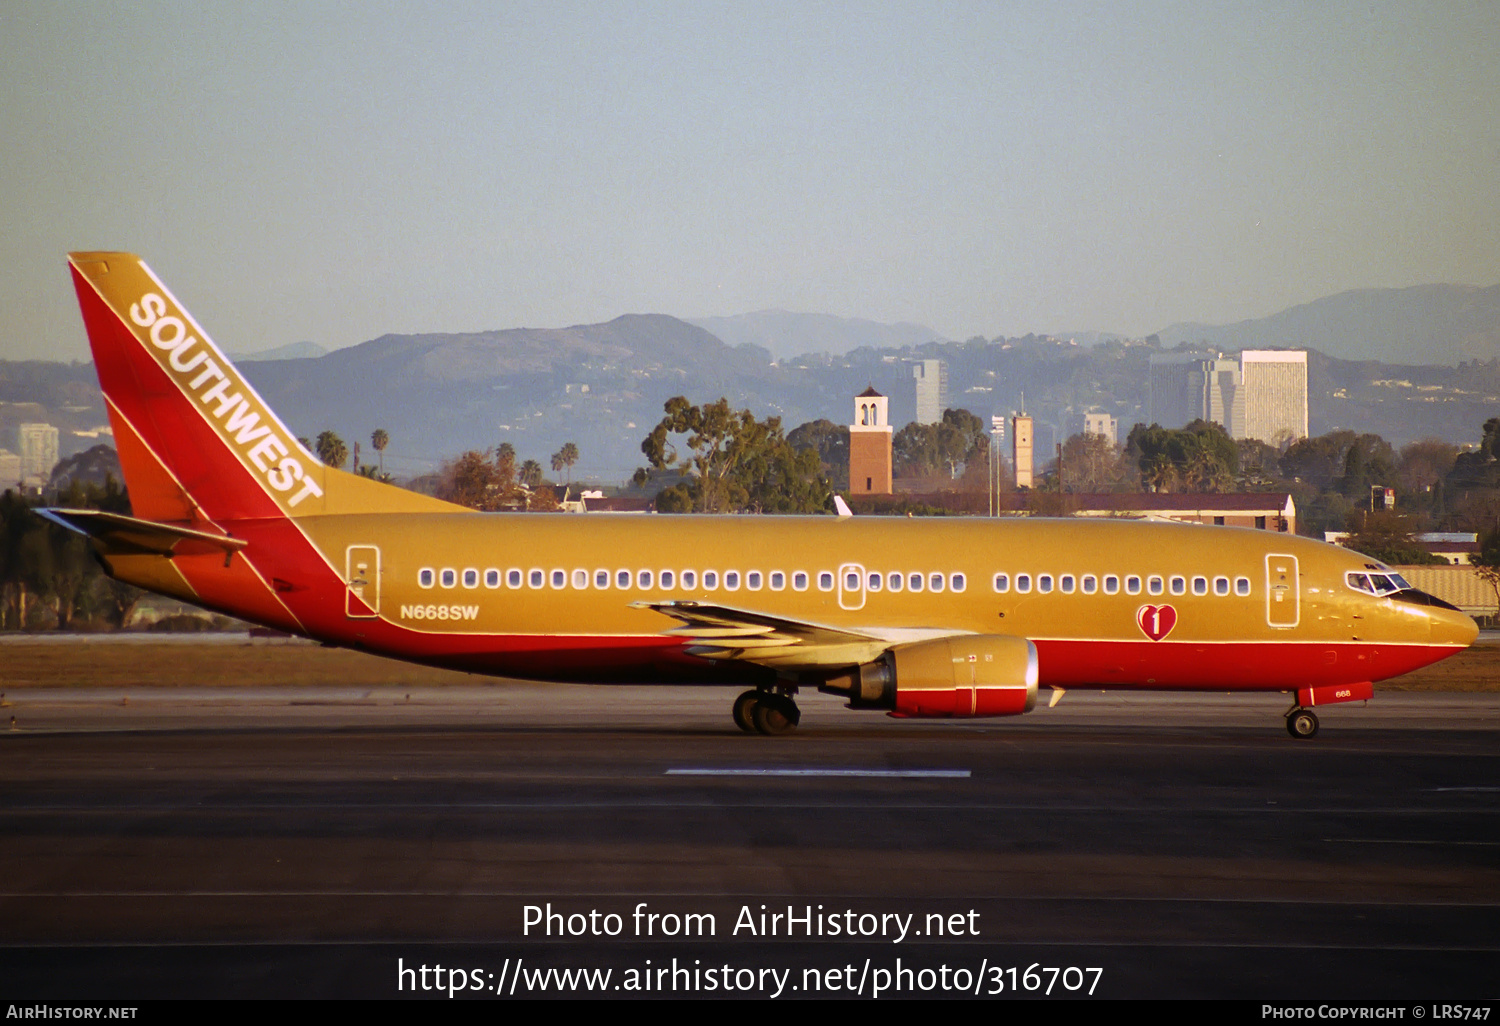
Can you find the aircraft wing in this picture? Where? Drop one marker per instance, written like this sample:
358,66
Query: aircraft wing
724,632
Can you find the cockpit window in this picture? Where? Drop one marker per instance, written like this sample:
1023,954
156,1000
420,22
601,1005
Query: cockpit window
1376,584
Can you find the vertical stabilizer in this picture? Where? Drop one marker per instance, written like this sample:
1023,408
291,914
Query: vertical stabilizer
195,440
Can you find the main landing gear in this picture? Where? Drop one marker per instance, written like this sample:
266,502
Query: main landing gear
766,712
1301,723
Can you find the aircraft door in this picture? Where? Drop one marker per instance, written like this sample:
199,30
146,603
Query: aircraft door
1282,604
362,580
851,586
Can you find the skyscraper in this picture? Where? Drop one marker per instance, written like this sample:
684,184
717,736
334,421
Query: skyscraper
931,377
37,445
1275,387
1196,386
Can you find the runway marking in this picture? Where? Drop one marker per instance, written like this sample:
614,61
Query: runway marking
947,774
1402,840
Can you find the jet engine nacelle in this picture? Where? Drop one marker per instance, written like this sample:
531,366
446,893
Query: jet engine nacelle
968,675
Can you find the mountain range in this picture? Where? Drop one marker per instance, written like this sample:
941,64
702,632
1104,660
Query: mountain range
602,386
1423,324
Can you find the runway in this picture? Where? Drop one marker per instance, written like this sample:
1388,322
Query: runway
335,842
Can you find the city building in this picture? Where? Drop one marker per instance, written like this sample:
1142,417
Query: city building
1275,387
1186,387
1176,388
1223,393
10,470
1096,422
870,445
1021,453
931,378
37,445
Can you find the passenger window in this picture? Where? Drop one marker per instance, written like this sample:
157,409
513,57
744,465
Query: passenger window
893,581
1242,585
1221,586
825,580
1065,584
538,578
1132,585
601,578
559,578
622,578
1153,585
448,577
958,582
1044,584
513,578
1023,583
935,582
492,578
425,577
668,578
1002,583
851,581
1090,584
799,580
873,582
1200,585
914,582
753,580
581,579
1111,584
778,580
643,579
710,579
731,580
471,578
1179,586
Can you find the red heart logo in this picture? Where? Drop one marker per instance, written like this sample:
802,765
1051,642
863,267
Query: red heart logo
1156,622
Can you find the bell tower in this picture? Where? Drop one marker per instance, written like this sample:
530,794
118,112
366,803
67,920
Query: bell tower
870,445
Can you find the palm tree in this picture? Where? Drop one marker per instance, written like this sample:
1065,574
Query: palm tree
332,450
569,454
531,473
379,440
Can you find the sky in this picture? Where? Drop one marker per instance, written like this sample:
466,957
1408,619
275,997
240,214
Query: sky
332,172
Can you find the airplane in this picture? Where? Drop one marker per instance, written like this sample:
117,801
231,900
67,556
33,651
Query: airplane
940,617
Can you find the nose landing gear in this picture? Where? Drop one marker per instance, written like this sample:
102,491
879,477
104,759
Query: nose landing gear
766,712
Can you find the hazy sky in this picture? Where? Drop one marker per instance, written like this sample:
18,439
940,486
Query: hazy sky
333,172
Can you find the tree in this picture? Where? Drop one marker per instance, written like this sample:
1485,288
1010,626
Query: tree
923,450
480,482
1388,537
331,450
1090,463
731,462
831,442
1201,456
564,458
378,441
531,473
1486,562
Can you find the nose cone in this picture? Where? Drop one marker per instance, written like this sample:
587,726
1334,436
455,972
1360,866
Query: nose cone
1450,627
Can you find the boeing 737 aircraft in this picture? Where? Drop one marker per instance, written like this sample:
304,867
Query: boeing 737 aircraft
917,617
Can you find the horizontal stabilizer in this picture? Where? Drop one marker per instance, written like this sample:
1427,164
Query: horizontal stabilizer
122,535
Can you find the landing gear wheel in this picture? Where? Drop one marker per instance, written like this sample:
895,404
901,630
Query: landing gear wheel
1302,723
775,714
744,711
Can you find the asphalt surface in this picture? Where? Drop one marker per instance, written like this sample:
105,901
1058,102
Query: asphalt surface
346,843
